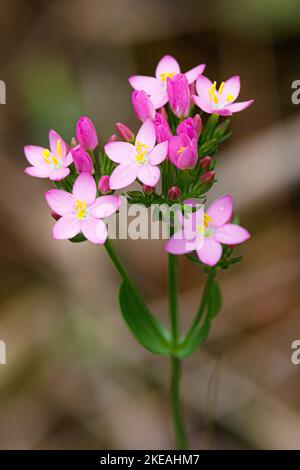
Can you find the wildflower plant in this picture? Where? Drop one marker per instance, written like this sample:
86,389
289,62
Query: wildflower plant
170,159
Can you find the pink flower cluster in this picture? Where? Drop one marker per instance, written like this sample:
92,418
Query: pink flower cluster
168,140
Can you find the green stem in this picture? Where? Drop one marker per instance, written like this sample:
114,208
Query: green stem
122,271
173,298
181,442
202,306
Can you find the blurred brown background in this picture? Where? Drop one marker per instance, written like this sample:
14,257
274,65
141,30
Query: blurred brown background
75,378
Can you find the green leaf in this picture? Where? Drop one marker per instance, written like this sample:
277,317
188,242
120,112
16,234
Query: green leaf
147,329
196,339
78,238
215,300
200,333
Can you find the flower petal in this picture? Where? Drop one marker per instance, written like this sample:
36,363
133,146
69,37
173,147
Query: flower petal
203,85
92,231
84,188
68,159
232,234
211,252
159,153
59,150
179,245
146,134
34,155
203,104
148,174
148,84
123,176
101,231
66,227
58,175
232,87
193,74
159,99
167,64
236,107
60,201
120,152
104,206
221,210
38,171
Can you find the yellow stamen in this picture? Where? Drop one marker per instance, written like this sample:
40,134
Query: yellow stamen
141,152
80,208
181,150
221,88
212,90
164,76
58,148
230,97
46,155
207,219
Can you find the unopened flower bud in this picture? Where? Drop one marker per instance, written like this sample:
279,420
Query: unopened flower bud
55,215
142,105
148,189
124,132
86,133
198,123
162,128
103,184
205,163
82,160
74,142
113,138
208,177
179,95
174,193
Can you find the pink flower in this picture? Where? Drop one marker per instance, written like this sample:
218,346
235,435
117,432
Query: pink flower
124,132
103,184
81,211
47,163
156,87
82,161
179,95
174,193
221,100
190,126
207,233
162,128
137,161
86,133
183,151
142,106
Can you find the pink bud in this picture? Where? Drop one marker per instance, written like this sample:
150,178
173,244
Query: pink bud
103,184
148,189
164,113
162,128
183,151
113,138
174,193
208,177
124,132
179,95
86,133
55,215
198,123
142,105
205,163
82,160
74,142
